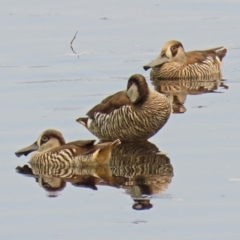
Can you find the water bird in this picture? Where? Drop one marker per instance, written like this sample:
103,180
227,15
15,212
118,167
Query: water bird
51,149
139,168
174,63
134,114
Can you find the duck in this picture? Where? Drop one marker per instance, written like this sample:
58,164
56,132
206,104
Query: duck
51,149
134,114
139,168
174,63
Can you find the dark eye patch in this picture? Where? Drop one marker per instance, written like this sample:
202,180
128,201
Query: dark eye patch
174,50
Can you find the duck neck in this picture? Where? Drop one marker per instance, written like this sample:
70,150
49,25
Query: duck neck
180,59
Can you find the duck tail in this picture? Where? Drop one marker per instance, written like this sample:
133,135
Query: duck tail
83,121
103,155
221,53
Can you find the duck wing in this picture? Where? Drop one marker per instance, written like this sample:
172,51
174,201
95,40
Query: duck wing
82,143
105,100
76,147
110,103
80,147
199,56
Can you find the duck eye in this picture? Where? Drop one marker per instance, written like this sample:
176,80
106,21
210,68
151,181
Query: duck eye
45,185
45,138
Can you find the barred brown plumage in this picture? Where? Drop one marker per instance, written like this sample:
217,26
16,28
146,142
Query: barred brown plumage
175,63
177,90
132,115
47,170
132,166
52,150
138,159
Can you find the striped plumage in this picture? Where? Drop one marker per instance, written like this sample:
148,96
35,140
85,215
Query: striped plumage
141,165
133,166
66,158
54,178
177,90
132,115
186,85
174,63
51,149
68,172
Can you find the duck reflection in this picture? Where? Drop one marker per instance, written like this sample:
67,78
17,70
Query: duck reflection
177,90
142,170
54,178
139,168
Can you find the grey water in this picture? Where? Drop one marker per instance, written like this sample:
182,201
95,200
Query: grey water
46,84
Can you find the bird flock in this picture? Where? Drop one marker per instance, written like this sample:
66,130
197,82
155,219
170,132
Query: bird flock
131,115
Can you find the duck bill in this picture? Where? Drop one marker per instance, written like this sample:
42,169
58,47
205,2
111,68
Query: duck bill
25,151
156,62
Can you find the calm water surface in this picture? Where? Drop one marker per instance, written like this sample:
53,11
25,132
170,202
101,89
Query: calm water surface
45,84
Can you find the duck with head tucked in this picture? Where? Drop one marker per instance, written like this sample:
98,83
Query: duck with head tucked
174,63
51,149
134,114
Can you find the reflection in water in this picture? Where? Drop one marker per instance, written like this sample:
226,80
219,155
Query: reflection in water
142,170
177,90
139,168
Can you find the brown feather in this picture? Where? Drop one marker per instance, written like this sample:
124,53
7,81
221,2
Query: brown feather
84,147
105,100
199,56
76,151
221,54
110,103
82,143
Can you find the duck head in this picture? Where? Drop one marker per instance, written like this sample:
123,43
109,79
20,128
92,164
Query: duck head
51,184
47,140
137,88
172,51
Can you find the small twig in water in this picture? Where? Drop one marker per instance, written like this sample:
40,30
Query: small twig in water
78,54
72,42
73,38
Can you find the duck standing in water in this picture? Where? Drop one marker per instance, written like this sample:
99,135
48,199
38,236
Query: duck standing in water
134,114
51,149
174,63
